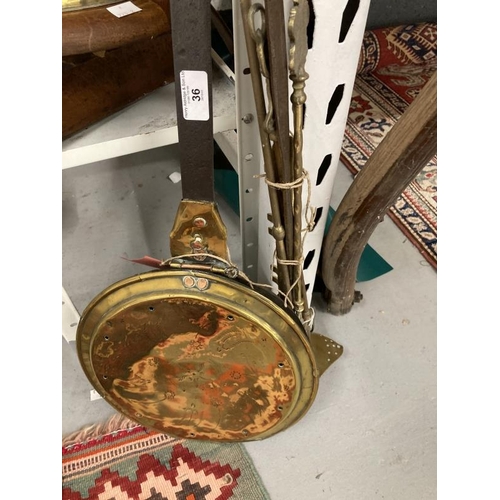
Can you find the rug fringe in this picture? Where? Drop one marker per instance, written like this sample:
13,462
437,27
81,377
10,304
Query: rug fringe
115,423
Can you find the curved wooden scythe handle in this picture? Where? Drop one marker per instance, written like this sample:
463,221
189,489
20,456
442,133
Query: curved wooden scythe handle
406,149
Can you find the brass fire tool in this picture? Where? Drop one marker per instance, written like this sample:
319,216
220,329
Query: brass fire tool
267,48
255,40
297,30
286,162
278,71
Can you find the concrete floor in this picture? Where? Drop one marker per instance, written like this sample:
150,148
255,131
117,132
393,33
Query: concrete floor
371,432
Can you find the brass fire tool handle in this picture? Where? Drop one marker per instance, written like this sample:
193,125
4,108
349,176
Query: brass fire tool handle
326,350
278,72
254,38
297,31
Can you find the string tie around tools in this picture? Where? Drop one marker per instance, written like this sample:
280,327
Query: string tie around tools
310,211
309,323
283,185
310,216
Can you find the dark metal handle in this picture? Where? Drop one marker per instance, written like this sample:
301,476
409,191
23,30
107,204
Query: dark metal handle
191,41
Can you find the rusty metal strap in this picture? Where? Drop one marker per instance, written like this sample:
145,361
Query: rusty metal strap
191,40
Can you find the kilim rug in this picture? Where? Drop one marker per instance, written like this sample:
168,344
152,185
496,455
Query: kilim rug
126,461
395,63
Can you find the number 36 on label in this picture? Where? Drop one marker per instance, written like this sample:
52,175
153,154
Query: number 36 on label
194,92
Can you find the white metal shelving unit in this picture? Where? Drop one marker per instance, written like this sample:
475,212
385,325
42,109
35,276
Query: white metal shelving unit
146,124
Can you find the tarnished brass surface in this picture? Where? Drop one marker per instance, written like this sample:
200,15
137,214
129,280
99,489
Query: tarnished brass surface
297,31
198,228
326,351
198,355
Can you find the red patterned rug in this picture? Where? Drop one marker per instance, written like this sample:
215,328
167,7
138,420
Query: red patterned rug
131,462
395,64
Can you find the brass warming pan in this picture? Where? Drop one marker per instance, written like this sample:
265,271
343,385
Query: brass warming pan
195,349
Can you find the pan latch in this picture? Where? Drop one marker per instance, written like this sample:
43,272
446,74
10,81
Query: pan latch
198,230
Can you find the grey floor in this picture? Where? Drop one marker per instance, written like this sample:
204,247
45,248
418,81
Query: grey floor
371,433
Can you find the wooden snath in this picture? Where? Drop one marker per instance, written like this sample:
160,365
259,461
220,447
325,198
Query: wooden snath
406,149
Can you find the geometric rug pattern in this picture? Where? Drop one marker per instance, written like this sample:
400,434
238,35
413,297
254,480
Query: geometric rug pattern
139,464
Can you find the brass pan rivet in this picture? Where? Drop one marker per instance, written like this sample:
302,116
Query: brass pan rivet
202,284
197,243
245,432
188,281
199,222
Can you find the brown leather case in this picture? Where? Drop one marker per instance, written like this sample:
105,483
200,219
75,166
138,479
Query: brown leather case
110,62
